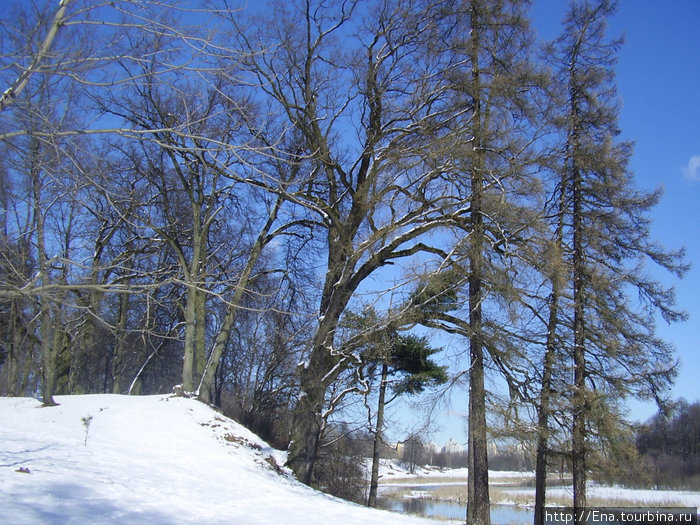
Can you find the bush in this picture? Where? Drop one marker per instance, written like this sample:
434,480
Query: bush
343,477
340,468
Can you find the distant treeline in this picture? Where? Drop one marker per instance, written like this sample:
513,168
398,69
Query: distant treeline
670,446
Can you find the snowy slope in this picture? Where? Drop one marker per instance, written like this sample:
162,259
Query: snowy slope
150,460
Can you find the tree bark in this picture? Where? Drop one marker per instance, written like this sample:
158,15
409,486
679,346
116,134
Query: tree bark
48,359
120,344
543,411
307,425
374,481
263,238
15,345
578,437
190,329
200,350
543,408
478,505
48,352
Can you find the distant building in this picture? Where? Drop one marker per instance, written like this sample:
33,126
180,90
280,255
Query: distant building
452,447
493,449
431,449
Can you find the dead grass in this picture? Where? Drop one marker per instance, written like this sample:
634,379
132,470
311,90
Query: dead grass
434,480
509,490
425,480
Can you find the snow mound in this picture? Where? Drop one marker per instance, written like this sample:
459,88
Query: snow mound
151,460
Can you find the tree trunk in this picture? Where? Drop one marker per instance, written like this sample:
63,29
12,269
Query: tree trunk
79,357
120,345
26,373
374,481
192,276
578,437
84,349
307,425
543,409
190,329
62,355
48,358
479,508
316,374
263,238
543,412
12,379
207,381
478,505
48,352
200,350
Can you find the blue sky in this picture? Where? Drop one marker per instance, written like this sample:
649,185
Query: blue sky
658,77
659,83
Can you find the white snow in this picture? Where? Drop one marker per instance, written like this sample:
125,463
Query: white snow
621,495
393,469
151,460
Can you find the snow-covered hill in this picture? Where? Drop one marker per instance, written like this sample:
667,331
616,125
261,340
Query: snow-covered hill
150,460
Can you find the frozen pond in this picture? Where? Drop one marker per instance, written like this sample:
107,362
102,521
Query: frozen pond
405,498
444,497
513,514
500,514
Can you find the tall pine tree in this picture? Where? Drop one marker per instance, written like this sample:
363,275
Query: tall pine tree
614,351
494,86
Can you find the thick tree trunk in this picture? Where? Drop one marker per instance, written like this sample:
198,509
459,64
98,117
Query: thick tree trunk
374,480
200,350
578,434
478,505
307,425
62,357
193,278
205,386
83,351
321,368
27,372
479,508
190,332
316,374
80,354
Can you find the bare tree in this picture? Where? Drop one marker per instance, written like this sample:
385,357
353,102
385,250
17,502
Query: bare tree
369,115
36,63
175,107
